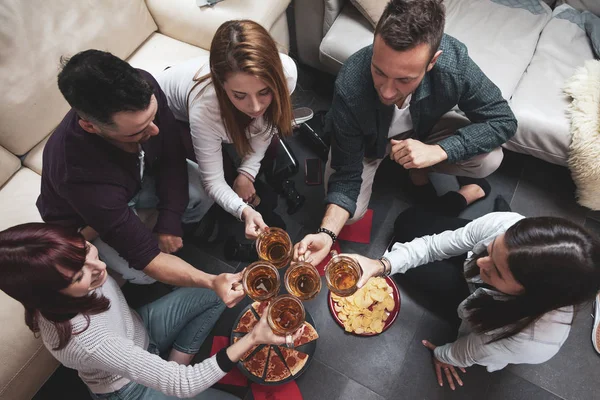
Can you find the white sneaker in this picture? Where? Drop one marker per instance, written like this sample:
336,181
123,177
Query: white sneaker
301,115
596,328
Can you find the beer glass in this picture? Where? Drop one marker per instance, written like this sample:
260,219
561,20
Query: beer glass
285,315
261,281
342,274
274,245
302,280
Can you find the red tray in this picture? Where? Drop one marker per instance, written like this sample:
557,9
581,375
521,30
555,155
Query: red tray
388,322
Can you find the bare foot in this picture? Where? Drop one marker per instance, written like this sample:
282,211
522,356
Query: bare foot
419,177
471,193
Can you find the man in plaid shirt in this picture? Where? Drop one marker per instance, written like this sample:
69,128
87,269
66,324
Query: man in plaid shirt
389,99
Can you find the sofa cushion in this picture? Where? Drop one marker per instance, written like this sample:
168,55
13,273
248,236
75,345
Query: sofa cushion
26,364
185,21
582,5
501,35
349,33
34,35
539,102
33,159
18,197
371,9
159,52
9,164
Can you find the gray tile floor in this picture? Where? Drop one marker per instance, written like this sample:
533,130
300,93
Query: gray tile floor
395,365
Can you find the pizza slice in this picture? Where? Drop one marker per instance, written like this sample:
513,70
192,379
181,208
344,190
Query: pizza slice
308,335
246,323
276,369
257,364
260,307
246,354
294,359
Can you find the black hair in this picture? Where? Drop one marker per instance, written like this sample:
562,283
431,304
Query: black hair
98,84
555,260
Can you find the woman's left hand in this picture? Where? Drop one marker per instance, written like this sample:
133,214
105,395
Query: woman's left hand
244,188
449,370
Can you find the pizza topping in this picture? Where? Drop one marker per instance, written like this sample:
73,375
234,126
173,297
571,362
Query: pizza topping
276,370
256,365
246,323
294,359
308,335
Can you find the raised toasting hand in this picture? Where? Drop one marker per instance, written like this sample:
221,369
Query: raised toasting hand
254,223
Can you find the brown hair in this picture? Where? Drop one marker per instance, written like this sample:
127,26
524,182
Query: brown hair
29,256
405,24
245,46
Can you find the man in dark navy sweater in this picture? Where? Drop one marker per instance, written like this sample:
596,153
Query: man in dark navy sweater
118,150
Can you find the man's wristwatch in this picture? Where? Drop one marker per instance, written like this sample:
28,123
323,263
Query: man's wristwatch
332,235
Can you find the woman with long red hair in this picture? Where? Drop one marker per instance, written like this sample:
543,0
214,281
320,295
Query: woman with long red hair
84,321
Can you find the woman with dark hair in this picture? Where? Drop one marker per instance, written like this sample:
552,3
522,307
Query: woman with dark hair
238,95
84,321
513,281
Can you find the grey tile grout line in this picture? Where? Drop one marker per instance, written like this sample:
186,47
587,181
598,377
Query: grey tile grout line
349,378
517,186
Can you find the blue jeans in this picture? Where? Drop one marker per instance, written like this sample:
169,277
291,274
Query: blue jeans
181,320
146,198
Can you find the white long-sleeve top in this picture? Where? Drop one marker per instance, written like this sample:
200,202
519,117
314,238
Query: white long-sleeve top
535,344
111,352
208,132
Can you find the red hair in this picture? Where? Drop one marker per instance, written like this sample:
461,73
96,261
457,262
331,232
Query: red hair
30,255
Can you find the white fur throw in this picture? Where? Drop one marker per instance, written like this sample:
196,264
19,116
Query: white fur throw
584,152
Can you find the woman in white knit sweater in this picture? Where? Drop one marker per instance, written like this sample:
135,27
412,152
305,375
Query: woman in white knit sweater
85,322
240,94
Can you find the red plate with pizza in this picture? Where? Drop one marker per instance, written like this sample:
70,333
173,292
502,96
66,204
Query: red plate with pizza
273,365
370,311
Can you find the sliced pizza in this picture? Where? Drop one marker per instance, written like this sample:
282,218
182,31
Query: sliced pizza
294,359
246,323
260,307
246,354
276,369
308,335
257,364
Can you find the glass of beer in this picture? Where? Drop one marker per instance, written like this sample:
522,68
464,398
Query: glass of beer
274,245
302,280
285,315
261,281
342,274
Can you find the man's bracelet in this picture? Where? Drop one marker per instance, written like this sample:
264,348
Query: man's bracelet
332,235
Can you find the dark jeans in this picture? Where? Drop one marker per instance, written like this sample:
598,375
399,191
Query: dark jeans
441,283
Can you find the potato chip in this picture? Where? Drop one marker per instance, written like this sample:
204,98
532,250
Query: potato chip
367,309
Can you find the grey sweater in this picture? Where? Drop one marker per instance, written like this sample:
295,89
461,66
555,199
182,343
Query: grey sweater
359,122
111,352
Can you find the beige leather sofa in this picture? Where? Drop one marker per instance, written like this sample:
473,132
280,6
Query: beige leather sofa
528,48
150,34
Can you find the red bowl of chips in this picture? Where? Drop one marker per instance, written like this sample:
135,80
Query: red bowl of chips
387,322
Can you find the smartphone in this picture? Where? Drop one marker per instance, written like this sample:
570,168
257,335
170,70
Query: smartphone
312,171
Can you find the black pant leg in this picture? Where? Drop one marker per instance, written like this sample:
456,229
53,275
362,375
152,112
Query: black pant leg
441,284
